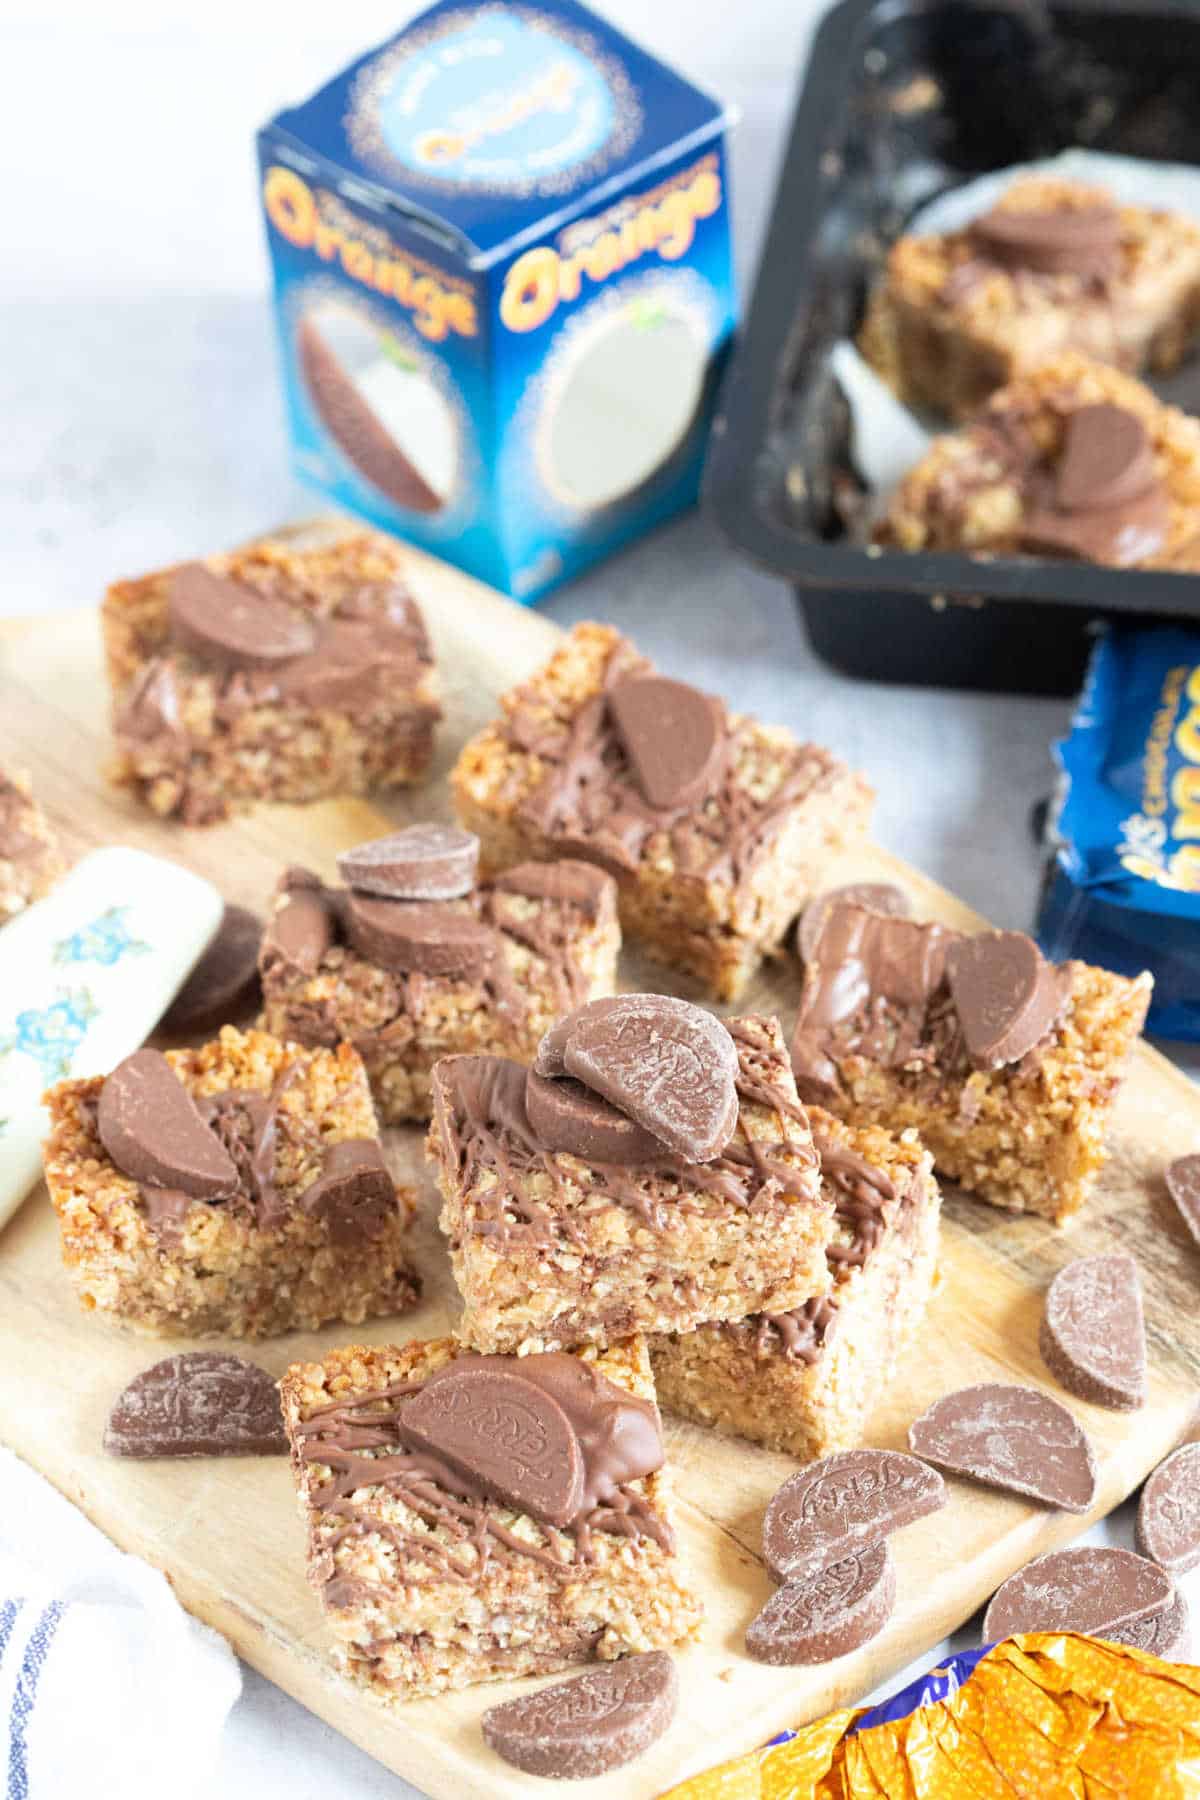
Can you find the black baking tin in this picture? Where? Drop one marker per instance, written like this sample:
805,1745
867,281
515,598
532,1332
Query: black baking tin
904,99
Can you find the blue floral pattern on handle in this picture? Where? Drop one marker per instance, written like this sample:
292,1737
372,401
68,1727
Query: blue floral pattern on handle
50,1035
105,940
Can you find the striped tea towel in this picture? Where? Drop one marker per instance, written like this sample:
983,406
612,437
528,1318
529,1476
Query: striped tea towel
107,1686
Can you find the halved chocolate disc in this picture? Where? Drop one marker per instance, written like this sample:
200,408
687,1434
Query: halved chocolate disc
1168,1634
1015,1438
225,980
1183,1185
1063,240
843,1504
550,1052
876,896
1007,996
303,926
506,1434
153,1130
1093,1337
672,734
670,1066
595,1722
828,1615
422,862
354,1191
1090,1588
201,1403
1168,1516
231,624
418,938
1107,459
569,883
568,1117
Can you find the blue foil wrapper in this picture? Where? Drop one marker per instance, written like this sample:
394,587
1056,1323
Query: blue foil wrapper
1124,888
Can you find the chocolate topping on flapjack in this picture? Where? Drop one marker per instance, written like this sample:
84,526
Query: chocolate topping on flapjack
419,938
225,980
567,1116
597,1721
673,736
1093,1338
1102,500
830,1614
1014,1438
1060,240
155,1133
1091,1588
1007,996
546,1435
1106,460
413,942
567,883
482,1125
669,1066
235,626
508,1433
875,896
221,1149
201,1403
589,802
550,1059
422,862
844,1504
354,1191
921,998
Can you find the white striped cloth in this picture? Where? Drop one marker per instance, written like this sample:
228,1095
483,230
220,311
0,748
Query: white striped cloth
107,1686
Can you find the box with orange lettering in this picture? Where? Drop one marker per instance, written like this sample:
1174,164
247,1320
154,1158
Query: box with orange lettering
503,286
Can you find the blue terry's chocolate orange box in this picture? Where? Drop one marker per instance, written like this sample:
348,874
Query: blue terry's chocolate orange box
503,286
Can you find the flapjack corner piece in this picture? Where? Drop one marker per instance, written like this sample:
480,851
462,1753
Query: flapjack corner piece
1071,460
271,673
716,828
1054,265
236,1189
805,1382
447,1551
569,1219
1007,1066
414,959
30,858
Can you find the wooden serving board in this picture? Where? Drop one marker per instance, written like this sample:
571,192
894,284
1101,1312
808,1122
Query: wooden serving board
227,1533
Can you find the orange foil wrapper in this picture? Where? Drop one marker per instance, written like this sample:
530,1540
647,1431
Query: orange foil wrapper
1042,1716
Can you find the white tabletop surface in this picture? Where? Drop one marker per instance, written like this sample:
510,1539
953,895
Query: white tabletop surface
141,423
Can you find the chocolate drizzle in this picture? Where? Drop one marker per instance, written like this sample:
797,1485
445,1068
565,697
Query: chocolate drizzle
487,1143
861,1195
362,1446
589,803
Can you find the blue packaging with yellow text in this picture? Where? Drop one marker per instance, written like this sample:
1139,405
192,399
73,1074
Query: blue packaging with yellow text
1124,890
503,286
